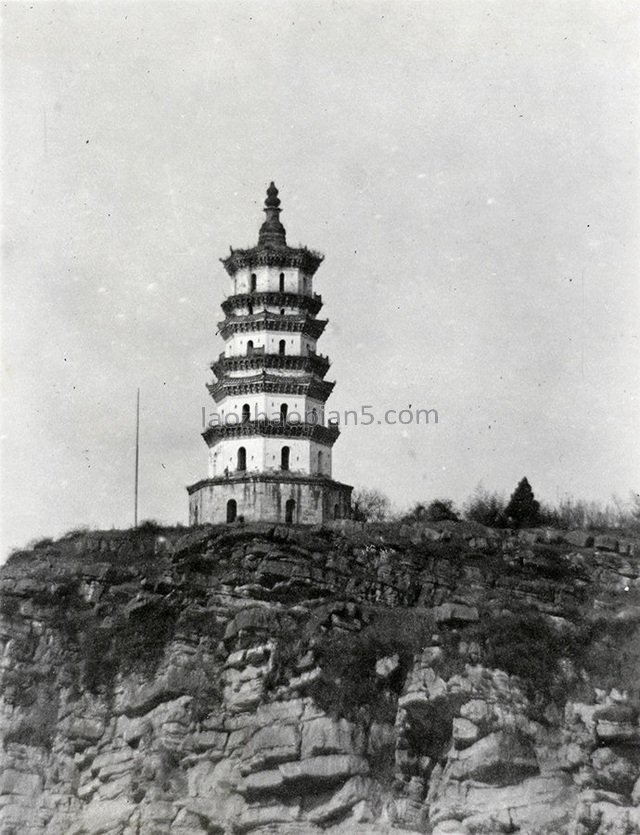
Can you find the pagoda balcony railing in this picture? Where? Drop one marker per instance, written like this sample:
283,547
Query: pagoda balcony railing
265,320
307,385
273,429
295,300
261,351
311,363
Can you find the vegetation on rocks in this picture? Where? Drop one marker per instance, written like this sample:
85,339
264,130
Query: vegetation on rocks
522,510
431,675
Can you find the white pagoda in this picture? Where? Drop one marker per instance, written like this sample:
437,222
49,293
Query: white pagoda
270,448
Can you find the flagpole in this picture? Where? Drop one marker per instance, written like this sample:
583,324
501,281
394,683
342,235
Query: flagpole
135,510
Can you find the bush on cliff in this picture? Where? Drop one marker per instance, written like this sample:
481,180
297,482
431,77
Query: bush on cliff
439,510
610,655
349,685
122,643
527,645
486,508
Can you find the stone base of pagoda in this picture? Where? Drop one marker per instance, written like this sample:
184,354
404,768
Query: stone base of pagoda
280,498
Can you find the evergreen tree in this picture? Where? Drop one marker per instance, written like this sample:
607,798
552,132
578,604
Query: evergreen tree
523,511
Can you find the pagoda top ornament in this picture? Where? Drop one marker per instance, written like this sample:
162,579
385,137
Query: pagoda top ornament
272,235
272,249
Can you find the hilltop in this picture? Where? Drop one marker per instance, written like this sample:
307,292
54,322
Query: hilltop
443,678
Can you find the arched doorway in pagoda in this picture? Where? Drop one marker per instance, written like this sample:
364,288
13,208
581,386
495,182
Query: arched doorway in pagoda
289,511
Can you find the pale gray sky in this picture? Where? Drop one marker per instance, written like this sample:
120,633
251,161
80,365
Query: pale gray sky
469,169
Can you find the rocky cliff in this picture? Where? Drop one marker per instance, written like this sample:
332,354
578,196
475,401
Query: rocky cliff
442,679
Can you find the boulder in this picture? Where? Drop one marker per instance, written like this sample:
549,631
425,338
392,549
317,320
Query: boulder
382,739
465,733
605,818
455,613
617,732
605,543
355,790
317,771
615,768
579,539
543,800
478,543
449,827
601,796
477,711
186,823
117,788
325,735
269,746
103,818
157,814
418,702
627,546
262,782
254,619
213,742
112,763
267,815
89,730
387,666
501,758
487,825
531,537
18,782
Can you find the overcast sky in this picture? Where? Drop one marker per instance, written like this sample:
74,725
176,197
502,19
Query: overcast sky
469,169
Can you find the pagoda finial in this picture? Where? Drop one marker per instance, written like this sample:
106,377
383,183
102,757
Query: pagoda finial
272,232
272,201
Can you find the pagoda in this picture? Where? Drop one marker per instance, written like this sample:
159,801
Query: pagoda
270,447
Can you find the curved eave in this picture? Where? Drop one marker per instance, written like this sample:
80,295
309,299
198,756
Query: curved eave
292,300
311,363
265,321
304,259
272,429
271,384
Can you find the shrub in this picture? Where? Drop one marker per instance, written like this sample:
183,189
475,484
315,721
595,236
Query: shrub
137,642
149,526
349,686
528,646
485,508
42,543
442,510
74,533
571,514
439,510
34,734
38,727
610,654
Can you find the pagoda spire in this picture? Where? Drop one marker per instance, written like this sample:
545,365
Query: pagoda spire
272,235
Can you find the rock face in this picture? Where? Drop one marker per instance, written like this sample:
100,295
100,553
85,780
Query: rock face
348,680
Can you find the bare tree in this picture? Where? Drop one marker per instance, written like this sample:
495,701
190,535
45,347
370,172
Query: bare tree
370,505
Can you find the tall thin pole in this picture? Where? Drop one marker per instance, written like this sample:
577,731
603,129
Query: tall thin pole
135,510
